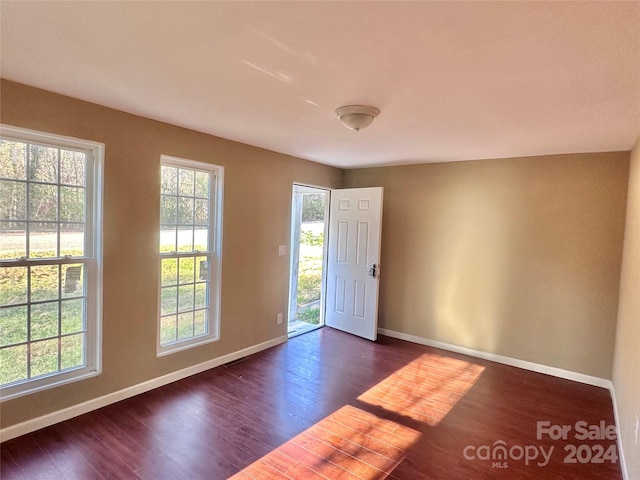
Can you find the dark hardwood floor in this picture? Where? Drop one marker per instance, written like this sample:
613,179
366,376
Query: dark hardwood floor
329,405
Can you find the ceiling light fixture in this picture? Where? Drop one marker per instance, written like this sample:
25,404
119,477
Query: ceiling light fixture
357,117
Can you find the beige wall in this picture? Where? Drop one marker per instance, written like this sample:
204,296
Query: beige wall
517,257
257,199
626,367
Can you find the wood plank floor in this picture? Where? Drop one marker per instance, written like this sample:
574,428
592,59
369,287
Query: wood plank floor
328,405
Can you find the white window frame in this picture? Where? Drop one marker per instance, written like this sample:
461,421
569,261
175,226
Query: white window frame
214,252
92,260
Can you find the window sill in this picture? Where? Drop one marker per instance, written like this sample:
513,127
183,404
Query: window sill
186,345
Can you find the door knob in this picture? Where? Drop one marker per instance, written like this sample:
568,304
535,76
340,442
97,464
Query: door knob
372,270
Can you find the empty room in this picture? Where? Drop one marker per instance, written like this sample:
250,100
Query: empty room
319,240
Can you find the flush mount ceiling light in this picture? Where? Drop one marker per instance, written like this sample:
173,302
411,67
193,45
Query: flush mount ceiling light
357,117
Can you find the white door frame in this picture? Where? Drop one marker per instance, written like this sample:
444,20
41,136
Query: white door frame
295,243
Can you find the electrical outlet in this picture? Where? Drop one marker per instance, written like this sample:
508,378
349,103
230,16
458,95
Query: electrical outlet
282,250
637,427
279,318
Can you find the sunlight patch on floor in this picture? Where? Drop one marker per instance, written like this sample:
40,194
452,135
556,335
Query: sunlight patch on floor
426,389
348,444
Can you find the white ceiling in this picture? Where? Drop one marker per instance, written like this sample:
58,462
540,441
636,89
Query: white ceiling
454,80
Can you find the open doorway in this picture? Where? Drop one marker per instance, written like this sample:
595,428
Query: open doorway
309,227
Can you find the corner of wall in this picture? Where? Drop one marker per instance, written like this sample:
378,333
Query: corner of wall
625,378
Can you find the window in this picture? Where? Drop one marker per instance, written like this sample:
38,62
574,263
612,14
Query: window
50,261
190,241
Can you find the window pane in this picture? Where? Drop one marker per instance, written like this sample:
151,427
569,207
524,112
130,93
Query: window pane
72,167
43,202
185,182
185,325
13,325
169,301
169,183
44,320
44,282
185,298
14,364
168,327
13,285
202,184
13,240
201,239
72,315
200,323
72,204
201,295
43,240
169,271
201,216
186,271
13,163
185,210
168,240
72,239
44,357
13,200
72,280
202,265
185,239
43,164
168,209
71,351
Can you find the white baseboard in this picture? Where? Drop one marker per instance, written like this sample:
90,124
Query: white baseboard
65,414
514,362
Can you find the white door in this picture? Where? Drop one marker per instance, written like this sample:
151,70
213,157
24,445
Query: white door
355,232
